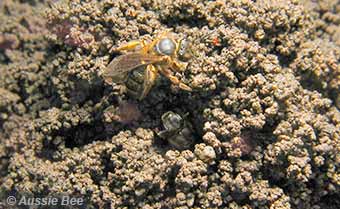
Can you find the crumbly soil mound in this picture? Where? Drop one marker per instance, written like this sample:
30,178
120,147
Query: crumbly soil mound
265,105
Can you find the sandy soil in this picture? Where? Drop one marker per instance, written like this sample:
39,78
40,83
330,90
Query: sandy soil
264,107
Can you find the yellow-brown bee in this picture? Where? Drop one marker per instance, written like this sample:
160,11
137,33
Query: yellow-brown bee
140,66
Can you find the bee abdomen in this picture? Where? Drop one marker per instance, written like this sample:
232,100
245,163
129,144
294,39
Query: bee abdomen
183,140
134,83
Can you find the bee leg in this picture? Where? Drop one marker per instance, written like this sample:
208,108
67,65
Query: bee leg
176,66
150,77
179,67
147,48
129,46
174,79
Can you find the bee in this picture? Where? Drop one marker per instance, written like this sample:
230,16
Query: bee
140,65
178,132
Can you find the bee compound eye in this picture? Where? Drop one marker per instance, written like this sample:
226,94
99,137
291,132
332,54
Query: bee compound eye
183,47
166,46
175,120
171,120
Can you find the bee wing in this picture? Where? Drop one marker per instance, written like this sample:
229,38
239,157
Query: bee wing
118,68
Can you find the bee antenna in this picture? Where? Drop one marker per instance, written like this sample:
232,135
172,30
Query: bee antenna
51,4
186,115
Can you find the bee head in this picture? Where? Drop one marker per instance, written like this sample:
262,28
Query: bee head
172,121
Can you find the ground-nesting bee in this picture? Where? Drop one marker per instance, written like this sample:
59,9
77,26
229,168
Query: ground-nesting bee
140,66
178,132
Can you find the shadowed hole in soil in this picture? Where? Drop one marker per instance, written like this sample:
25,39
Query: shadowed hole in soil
270,173
179,103
24,23
330,201
170,189
108,166
242,198
4,163
76,136
266,134
312,83
83,134
263,138
31,2
180,16
84,91
285,61
48,151
3,57
190,21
